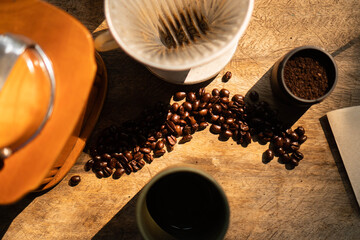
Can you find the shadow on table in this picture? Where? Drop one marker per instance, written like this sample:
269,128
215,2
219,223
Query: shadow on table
339,163
288,114
9,212
122,225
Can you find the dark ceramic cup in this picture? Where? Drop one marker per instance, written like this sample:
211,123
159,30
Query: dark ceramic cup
279,86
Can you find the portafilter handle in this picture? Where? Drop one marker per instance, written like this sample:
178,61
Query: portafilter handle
11,48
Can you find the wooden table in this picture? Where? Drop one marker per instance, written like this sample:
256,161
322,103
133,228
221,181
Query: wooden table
267,201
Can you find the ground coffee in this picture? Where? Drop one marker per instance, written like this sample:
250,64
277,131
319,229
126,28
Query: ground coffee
306,77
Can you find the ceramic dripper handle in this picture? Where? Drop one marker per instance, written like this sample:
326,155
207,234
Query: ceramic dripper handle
105,42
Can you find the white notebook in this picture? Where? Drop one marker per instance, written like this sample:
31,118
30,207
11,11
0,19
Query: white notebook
345,125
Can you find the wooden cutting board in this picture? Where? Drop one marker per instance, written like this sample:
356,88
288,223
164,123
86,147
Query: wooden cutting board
345,126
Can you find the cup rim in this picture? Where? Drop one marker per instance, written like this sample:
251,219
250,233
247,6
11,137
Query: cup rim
176,169
185,66
290,55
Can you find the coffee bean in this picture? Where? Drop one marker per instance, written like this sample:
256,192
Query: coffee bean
238,98
203,112
227,76
158,135
201,92
278,142
106,156
206,97
244,127
151,139
285,158
179,96
288,131
190,97
203,125
74,180
247,138
215,92
216,109
214,118
112,163
118,173
280,151
302,139
195,105
186,138
300,131
230,121
171,140
145,150
148,158
294,162
254,96
293,136
287,143
153,145
268,155
224,93
175,118
107,172
295,146
297,155
215,129
187,106
181,110
128,155
221,120
99,174
225,100
159,152
194,127
226,134
89,164
175,107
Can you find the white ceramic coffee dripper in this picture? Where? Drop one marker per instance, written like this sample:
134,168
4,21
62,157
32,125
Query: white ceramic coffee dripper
180,41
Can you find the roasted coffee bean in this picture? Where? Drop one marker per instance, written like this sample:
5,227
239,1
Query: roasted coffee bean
226,134
153,145
171,140
206,97
186,138
295,146
158,135
254,96
201,92
278,142
298,155
268,155
181,110
141,163
136,149
74,180
99,174
215,129
194,127
175,107
227,76
112,163
300,131
285,158
280,151
293,136
244,127
187,106
106,156
160,144
238,98
216,109
187,130
179,96
288,131
202,105
294,162
97,158
229,121
159,152
203,125
175,118
170,126
107,172
128,155
224,93
302,139
224,126
89,164
118,173
214,118
190,97
221,120
224,100
151,139
247,138
203,112
215,92
138,156
195,105
178,131
287,143
148,158
103,164
145,150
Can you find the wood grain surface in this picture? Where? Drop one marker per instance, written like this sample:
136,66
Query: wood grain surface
267,201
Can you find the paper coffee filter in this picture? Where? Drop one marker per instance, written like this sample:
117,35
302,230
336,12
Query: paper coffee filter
177,32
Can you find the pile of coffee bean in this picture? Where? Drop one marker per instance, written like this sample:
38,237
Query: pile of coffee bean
127,148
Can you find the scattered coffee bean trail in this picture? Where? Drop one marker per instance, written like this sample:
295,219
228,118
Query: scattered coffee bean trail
127,148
